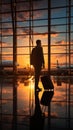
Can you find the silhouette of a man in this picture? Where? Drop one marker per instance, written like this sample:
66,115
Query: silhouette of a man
37,61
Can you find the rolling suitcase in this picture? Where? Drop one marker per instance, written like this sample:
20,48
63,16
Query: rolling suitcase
47,82
47,97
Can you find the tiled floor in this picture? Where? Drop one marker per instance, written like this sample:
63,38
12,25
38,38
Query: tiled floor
23,108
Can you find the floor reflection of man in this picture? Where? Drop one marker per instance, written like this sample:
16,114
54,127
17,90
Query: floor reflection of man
37,120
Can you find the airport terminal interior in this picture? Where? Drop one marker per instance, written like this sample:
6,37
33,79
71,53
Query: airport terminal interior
22,22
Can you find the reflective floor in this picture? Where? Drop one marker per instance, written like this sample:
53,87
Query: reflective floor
23,108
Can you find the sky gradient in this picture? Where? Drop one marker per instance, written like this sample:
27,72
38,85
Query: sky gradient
59,30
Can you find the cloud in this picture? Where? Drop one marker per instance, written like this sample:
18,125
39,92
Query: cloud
23,10
60,42
22,16
54,34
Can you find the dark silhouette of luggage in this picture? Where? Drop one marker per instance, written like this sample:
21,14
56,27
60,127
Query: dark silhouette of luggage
47,82
47,97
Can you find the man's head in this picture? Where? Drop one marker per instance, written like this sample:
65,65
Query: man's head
38,42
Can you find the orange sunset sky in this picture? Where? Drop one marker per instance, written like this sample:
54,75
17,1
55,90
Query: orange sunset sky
58,40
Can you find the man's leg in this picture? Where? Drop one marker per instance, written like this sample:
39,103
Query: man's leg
37,75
